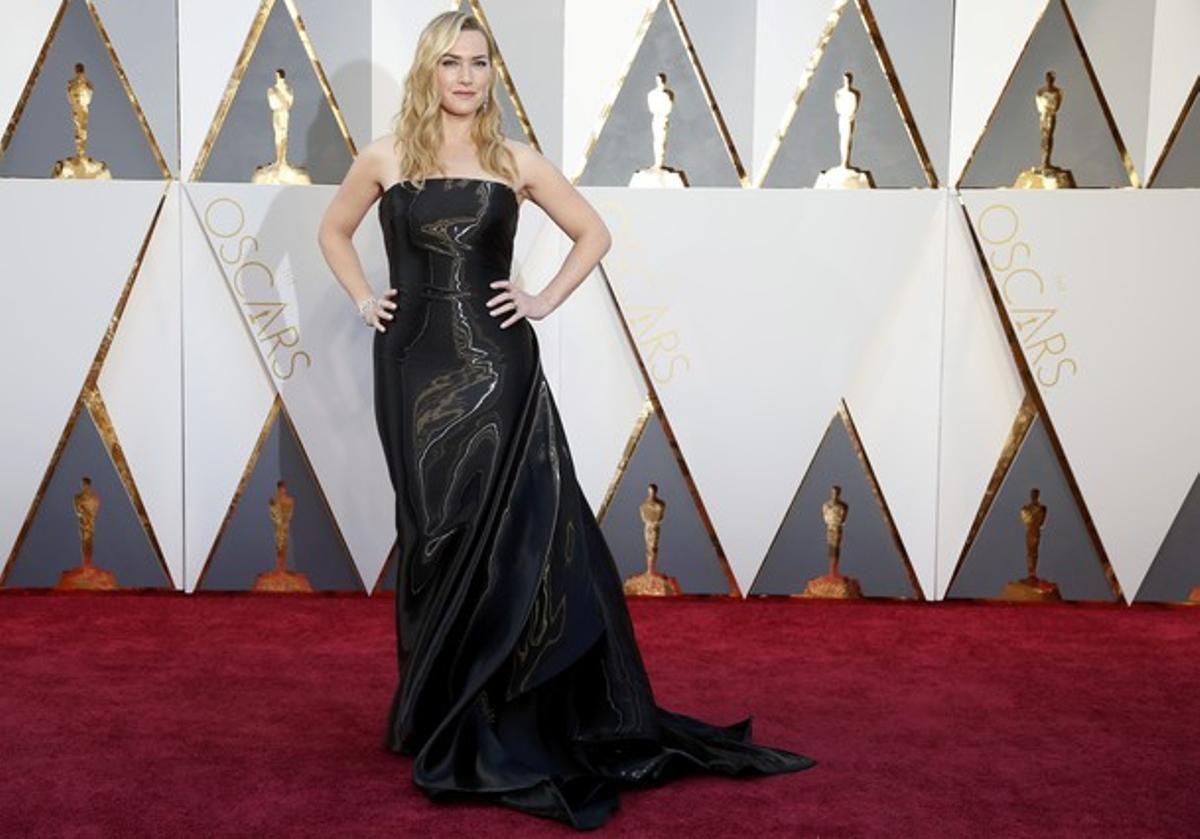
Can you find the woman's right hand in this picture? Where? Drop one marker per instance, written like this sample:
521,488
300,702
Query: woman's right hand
375,315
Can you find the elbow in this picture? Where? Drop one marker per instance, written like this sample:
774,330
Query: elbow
604,238
323,234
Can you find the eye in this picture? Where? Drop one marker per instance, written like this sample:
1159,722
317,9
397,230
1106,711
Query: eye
481,63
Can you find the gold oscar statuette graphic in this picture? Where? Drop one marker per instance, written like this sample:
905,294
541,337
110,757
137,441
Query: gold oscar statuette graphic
80,167
659,100
1032,588
845,176
1046,175
280,98
834,585
280,578
651,581
86,576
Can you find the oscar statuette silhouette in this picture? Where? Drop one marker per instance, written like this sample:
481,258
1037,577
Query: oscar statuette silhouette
1046,175
282,504
280,98
844,176
80,166
834,585
659,100
1032,589
651,581
86,576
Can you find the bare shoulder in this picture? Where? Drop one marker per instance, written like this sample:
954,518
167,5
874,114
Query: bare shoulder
532,168
380,156
520,150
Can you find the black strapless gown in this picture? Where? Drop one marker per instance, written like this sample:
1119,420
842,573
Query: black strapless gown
520,677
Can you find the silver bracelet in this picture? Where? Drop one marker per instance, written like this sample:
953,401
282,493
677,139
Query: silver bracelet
364,307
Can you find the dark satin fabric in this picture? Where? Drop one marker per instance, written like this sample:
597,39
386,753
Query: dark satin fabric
520,678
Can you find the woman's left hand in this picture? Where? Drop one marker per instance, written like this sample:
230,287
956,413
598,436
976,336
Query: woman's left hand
517,301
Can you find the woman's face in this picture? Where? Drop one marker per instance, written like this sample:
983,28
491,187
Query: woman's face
464,74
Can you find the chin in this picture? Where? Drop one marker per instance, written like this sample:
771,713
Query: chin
458,108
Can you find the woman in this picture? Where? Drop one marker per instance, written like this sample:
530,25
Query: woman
520,676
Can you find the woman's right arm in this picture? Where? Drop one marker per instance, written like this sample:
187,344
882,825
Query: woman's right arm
359,190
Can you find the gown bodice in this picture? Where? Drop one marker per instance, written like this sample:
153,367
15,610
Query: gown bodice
446,243
443,238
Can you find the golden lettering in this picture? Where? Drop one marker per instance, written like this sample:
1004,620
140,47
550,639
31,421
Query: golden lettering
237,277
644,318
272,309
1025,294
240,250
292,364
278,339
1013,221
672,363
208,213
1058,368
224,218
1056,344
661,342
1019,246
1021,272
1025,318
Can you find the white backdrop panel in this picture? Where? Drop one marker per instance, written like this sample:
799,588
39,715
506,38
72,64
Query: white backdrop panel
311,342
143,36
226,393
598,40
1119,37
1176,64
26,25
54,249
215,31
142,381
1102,287
753,310
785,37
988,38
893,395
981,392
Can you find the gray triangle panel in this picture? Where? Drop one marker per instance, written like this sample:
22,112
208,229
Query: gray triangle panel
868,553
694,143
145,37
510,121
1180,166
46,131
1175,571
1083,140
1067,555
120,543
247,140
686,551
338,32
387,575
881,143
247,544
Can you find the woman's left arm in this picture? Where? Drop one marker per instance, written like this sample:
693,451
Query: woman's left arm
549,189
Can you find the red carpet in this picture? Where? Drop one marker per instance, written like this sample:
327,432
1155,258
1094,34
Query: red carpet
173,715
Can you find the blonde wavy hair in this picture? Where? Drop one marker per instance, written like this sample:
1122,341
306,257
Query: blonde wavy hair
418,125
